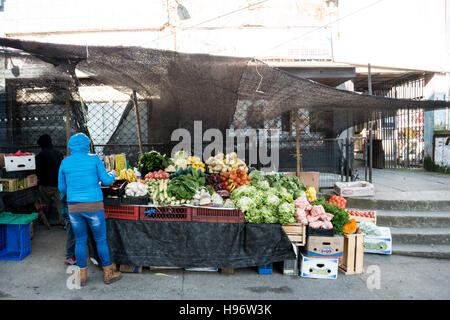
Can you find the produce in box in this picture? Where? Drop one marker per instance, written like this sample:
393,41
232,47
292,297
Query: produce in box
357,213
19,154
338,201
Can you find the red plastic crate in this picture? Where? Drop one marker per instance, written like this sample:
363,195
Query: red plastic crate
217,215
166,213
122,212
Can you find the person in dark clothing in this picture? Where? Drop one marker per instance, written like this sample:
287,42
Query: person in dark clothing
47,170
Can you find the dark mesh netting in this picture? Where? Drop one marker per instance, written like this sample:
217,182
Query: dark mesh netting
175,89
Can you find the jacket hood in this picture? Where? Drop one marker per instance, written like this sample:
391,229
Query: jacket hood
44,141
79,143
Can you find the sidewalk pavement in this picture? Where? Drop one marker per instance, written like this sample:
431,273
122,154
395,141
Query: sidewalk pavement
410,184
42,275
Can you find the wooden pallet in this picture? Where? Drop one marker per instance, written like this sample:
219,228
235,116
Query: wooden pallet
296,232
130,269
226,270
352,261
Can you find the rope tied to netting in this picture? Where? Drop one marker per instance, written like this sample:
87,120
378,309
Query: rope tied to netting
260,81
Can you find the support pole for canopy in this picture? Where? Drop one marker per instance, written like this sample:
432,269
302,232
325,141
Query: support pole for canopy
136,108
67,121
297,142
369,82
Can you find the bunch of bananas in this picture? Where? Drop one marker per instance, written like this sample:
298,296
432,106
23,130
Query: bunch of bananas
196,163
311,194
127,174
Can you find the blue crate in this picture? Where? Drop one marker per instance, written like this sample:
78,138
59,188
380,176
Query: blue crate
2,237
266,269
16,241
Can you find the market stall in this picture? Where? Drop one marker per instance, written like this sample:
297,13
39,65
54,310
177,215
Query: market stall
186,213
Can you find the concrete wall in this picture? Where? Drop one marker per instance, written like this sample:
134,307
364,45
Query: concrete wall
400,33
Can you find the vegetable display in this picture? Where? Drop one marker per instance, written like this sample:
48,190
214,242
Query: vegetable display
153,161
186,171
136,189
234,179
202,197
350,227
312,215
214,180
196,163
269,205
357,213
157,175
184,187
127,174
225,163
340,216
369,229
338,201
19,154
292,184
311,194
157,190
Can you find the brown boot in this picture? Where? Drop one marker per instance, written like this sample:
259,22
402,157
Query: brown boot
83,276
110,275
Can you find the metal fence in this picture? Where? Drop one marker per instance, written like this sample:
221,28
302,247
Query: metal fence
402,132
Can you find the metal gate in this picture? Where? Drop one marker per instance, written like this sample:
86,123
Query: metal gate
402,132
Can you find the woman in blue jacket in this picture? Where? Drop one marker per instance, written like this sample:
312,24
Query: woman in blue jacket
79,177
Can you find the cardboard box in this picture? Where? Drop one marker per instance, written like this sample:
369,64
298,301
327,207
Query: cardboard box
379,244
354,189
324,247
308,178
20,163
318,268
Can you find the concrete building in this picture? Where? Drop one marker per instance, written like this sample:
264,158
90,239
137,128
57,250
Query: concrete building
406,43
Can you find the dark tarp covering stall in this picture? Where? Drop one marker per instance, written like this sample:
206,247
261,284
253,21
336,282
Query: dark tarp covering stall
220,91
196,244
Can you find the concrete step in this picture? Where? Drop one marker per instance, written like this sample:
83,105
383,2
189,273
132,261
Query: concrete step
435,236
414,219
397,201
422,250
403,205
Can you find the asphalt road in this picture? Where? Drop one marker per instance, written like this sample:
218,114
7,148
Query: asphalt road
42,275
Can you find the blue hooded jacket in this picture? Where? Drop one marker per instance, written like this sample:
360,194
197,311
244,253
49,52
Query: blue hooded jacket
81,172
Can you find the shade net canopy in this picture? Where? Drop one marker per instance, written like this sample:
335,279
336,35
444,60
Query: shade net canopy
220,91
